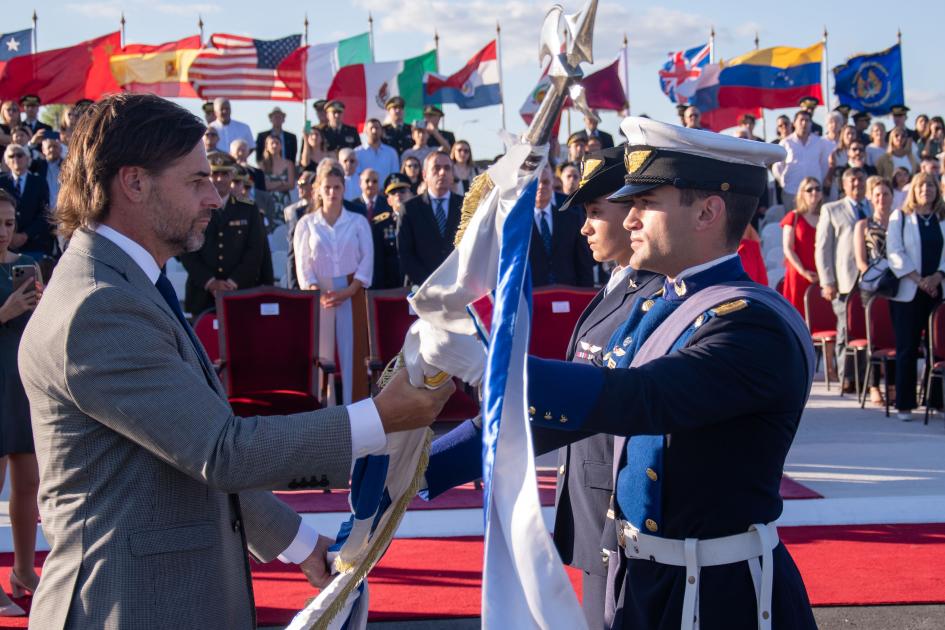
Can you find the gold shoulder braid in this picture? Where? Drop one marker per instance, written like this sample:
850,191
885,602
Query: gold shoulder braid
481,186
729,307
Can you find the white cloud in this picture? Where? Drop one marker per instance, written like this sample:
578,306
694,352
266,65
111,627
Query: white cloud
463,28
106,10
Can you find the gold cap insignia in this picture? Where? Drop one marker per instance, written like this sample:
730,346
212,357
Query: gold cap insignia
633,160
680,287
588,168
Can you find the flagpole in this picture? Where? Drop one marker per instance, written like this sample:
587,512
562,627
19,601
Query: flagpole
122,22
827,72
764,128
626,72
498,54
712,45
901,73
200,27
35,35
370,23
303,63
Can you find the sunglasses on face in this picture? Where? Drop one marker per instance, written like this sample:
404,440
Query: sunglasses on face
856,149
411,166
18,154
812,189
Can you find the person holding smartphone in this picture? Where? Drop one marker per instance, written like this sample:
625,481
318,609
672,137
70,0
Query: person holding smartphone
20,291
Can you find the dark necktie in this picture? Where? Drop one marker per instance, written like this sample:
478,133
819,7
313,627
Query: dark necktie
858,208
370,209
19,186
440,216
166,289
545,231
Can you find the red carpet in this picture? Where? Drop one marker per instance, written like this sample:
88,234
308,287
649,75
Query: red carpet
841,565
466,497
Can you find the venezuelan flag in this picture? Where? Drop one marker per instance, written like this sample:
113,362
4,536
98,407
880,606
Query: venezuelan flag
772,77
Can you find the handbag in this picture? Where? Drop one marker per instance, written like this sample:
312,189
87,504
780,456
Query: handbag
879,279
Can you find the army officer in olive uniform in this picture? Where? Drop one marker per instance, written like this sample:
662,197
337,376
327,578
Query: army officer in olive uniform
337,134
234,250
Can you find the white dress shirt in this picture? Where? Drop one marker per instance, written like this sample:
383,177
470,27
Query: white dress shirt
544,212
352,187
367,432
236,130
617,276
333,251
52,180
804,159
383,159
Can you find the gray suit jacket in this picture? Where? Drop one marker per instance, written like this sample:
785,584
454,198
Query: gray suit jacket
150,486
833,252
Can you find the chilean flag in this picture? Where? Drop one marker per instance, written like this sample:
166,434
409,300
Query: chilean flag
476,85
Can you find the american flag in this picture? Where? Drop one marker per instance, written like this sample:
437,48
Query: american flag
680,73
240,67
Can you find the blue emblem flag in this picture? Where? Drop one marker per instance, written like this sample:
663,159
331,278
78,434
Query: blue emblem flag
871,83
16,44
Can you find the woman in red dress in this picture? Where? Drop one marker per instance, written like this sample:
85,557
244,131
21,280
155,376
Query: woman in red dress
798,232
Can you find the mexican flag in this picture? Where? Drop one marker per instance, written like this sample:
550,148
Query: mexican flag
320,63
365,88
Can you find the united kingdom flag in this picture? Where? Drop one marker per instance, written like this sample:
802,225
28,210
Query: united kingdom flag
679,74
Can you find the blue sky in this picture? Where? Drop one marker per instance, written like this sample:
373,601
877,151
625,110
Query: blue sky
406,29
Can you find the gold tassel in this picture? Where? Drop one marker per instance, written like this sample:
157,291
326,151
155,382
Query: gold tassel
481,186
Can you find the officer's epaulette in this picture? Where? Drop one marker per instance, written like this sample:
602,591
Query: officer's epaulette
729,307
380,217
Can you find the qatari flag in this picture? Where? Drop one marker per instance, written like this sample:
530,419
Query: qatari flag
605,89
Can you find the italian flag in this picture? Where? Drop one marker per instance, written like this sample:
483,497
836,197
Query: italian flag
365,88
320,63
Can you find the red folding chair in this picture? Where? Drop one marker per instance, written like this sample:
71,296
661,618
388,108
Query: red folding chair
936,353
555,311
881,346
207,329
822,324
269,351
857,342
389,318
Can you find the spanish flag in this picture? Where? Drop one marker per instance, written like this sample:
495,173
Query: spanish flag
771,77
160,69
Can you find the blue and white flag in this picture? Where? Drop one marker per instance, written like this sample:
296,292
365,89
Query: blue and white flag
15,44
871,83
679,74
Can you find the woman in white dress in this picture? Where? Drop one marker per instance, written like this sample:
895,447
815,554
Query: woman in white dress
334,252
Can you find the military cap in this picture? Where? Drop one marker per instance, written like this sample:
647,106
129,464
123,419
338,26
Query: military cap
221,162
862,116
577,136
394,101
602,173
30,99
395,181
658,154
335,104
432,110
808,102
898,110
681,108
207,107
843,109
320,104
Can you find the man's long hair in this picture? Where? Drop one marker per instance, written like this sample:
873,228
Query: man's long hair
122,130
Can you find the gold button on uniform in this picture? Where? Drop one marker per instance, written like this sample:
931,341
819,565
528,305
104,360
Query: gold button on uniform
563,419
531,411
651,525
561,469
652,474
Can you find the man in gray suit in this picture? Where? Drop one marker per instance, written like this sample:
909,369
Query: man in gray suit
833,253
151,489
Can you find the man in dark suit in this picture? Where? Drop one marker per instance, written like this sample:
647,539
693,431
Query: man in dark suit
35,235
370,203
337,134
234,245
591,130
289,141
558,253
430,221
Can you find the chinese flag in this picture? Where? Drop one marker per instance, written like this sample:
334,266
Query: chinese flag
64,75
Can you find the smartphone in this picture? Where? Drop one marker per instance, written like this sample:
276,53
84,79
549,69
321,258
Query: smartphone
23,274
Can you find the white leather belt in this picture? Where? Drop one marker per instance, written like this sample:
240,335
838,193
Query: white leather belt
692,553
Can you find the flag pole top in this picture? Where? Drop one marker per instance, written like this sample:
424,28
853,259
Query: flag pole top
625,40
122,22
899,35
825,32
35,17
370,18
757,40
712,31
498,29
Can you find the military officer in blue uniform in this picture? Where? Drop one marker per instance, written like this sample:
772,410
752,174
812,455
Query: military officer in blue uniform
702,429
584,484
384,227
